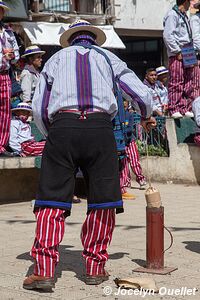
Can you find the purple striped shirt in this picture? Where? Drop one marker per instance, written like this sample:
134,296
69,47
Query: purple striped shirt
81,79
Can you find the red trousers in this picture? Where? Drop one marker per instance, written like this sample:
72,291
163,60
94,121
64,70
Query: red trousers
5,112
180,87
32,148
96,235
134,161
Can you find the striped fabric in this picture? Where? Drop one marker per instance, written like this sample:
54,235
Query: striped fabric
5,113
96,235
32,148
134,161
8,41
76,72
180,87
84,82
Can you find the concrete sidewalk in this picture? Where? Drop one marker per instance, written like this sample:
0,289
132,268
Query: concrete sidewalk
127,251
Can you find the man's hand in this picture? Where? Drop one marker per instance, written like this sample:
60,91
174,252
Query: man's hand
148,124
8,53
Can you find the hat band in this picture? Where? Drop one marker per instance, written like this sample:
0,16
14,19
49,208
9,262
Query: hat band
32,51
79,24
24,107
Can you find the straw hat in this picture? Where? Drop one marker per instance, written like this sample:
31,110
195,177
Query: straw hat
4,6
32,50
22,106
82,25
161,70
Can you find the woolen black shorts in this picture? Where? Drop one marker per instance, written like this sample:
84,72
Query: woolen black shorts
87,144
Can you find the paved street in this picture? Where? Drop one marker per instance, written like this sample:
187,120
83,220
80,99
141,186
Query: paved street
127,251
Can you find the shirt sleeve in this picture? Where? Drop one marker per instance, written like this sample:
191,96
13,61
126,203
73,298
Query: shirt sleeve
195,26
132,87
14,142
26,85
15,47
196,110
170,25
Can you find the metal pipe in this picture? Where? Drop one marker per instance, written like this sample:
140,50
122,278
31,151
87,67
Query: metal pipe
155,238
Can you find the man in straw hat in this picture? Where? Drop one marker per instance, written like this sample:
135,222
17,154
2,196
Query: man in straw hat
9,54
75,95
30,74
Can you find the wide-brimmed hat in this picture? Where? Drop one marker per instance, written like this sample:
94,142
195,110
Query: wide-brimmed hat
82,25
22,106
161,70
34,49
4,6
197,5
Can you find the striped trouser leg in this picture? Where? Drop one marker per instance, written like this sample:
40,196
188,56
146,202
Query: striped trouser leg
96,235
49,234
125,176
33,148
176,86
5,112
133,156
196,81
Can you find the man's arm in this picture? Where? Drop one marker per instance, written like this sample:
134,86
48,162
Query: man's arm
195,26
170,25
42,95
14,142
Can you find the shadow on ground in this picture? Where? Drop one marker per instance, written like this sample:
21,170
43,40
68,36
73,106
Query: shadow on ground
70,260
192,246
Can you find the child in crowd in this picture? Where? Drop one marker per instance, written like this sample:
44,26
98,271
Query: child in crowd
21,139
151,81
162,78
132,158
196,111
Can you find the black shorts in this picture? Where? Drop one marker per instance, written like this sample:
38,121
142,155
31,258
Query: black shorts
87,144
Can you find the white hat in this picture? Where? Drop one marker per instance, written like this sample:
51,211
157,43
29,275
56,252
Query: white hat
4,6
22,106
34,49
161,70
82,25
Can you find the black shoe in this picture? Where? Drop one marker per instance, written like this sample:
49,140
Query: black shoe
9,154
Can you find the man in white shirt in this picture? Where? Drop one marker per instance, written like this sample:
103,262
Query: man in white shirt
177,34
9,54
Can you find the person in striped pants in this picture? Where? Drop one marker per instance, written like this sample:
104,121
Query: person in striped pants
74,105
9,54
177,34
132,158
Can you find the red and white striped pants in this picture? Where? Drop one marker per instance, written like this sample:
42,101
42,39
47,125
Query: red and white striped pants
134,161
181,86
32,148
5,112
96,235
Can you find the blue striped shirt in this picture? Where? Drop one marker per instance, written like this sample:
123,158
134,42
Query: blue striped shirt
76,78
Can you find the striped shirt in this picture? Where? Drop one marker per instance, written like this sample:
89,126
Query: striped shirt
176,33
76,78
8,40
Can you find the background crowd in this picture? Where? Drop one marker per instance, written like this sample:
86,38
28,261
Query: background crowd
173,89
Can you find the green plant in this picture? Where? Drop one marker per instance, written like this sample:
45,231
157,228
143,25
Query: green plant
152,150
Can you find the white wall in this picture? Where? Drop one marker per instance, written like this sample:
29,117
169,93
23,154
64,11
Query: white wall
141,14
